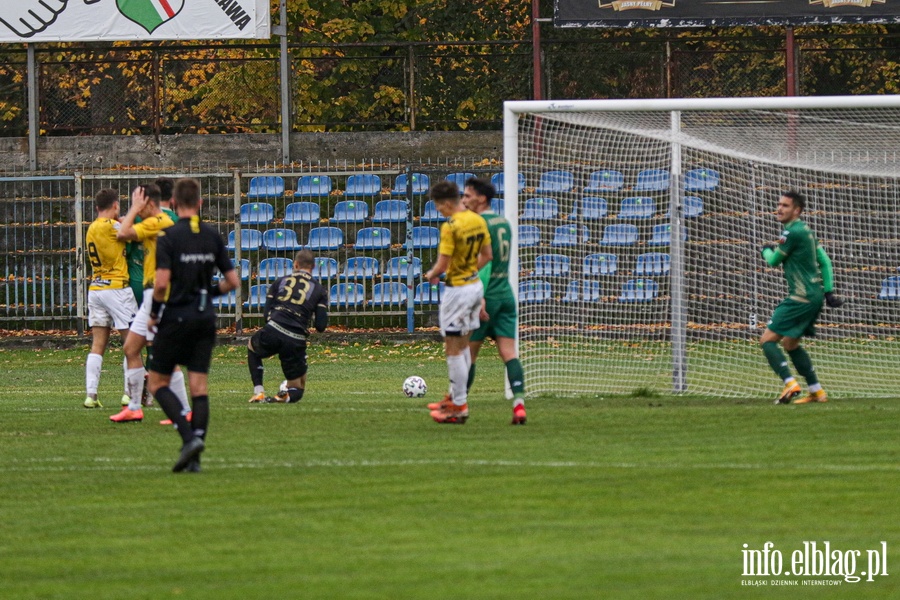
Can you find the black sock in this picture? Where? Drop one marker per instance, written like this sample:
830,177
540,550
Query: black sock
255,364
170,404
295,394
200,418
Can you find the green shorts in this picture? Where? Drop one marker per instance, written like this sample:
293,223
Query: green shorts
795,319
503,320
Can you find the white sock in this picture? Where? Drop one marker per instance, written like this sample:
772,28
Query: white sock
125,371
176,384
258,389
92,368
467,356
815,388
789,380
134,385
459,375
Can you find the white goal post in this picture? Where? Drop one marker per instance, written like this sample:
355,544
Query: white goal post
637,226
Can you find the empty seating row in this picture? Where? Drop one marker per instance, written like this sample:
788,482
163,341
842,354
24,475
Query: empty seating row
391,293
327,238
619,234
356,267
599,264
536,291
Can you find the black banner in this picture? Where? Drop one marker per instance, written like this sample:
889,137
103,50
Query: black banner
702,13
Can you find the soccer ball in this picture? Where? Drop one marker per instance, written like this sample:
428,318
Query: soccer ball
414,387
282,389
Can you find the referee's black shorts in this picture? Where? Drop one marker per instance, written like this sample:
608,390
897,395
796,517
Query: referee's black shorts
187,342
291,352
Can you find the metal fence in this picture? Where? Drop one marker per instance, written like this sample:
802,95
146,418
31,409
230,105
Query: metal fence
379,240
165,89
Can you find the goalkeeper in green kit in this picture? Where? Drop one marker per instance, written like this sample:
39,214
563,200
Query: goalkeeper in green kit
810,280
499,318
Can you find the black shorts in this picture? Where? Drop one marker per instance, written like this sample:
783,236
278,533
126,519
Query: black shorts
187,342
291,352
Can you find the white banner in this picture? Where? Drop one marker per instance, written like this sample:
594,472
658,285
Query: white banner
96,20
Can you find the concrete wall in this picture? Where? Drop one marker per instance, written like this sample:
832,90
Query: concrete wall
241,149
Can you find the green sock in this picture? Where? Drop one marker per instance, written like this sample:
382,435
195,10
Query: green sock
516,377
776,360
804,365
471,379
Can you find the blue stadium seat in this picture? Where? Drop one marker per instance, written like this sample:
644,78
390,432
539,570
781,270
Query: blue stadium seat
600,264
361,267
266,187
250,239
540,209
693,207
271,269
589,209
280,239
431,215
390,293
662,235
390,211
325,238
398,268
639,290
257,213
313,186
244,273
652,180
701,180
551,265
498,205
420,184
499,184
350,211
347,294
653,263
228,300
555,182
460,179
890,288
363,186
570,235
298,213
605,180
373,238
637,207
425,237
257,297
529,235
586,290
620,234
426,293
534,291
325,268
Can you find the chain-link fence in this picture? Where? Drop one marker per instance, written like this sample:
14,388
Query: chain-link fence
412,86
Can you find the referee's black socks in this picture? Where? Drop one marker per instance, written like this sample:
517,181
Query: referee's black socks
170,404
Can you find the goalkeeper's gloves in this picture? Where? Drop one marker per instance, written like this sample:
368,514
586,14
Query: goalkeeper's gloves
769,246
833,301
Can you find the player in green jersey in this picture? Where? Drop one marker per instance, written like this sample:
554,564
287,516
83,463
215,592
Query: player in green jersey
810,279
499,318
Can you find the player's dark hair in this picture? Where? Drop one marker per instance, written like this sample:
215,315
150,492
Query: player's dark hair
187,193
444,190
797,198
166,185
105,198
482,186
305,259
152,191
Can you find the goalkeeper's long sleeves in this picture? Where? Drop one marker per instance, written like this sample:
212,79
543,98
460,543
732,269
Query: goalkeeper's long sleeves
827,270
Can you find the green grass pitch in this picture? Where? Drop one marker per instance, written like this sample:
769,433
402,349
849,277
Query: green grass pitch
356,493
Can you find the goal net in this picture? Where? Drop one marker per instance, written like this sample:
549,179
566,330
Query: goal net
638,227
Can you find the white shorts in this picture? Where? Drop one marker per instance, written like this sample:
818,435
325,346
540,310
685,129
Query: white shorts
460,307
139,325
111,308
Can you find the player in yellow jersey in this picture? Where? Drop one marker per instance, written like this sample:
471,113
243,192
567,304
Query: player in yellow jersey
110,299
146,204
465,247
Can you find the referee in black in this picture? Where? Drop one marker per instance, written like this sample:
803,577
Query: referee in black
187,255
292,302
